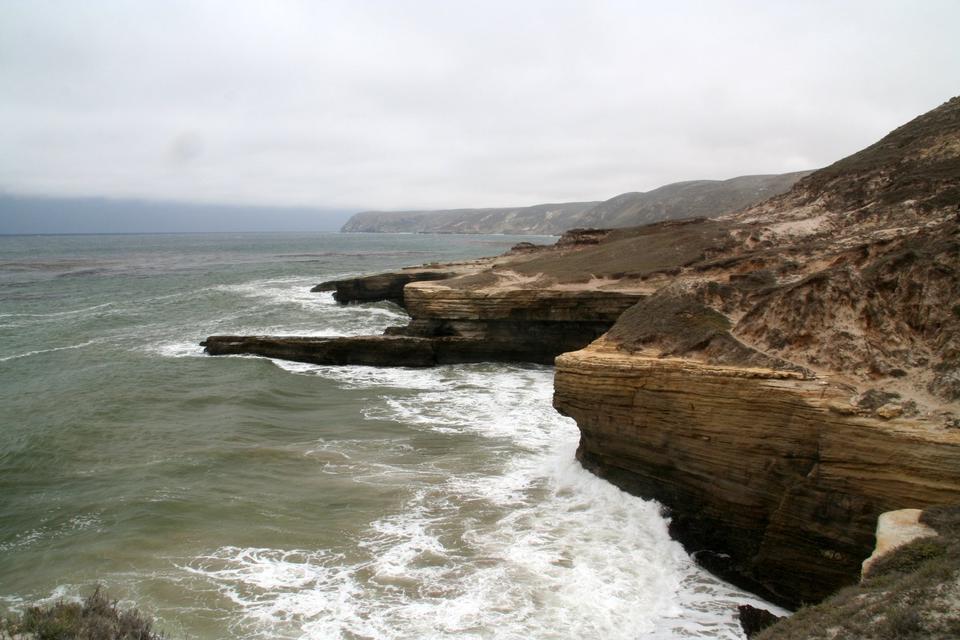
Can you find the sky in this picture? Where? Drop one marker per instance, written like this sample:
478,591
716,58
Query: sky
405,104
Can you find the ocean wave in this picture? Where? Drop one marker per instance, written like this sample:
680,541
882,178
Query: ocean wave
56,314
530,545
40,351
283,291
183,349
293,294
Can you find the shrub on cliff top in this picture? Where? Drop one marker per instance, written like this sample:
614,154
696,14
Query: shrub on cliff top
911,593
97,618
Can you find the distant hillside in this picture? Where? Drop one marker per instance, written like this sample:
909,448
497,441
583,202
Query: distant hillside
537,219
696,198
692,199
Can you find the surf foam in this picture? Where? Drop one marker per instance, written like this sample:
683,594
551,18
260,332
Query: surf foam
526,544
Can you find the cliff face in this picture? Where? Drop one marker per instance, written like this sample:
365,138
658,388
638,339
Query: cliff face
776,378
780,472
795,381
468,312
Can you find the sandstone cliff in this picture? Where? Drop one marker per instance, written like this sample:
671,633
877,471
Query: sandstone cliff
477,311
776,377
798,379
776,470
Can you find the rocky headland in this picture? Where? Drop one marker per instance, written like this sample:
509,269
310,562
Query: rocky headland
776,377
676,201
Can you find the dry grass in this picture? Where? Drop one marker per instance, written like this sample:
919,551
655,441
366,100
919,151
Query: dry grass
634,252
97,618
911,594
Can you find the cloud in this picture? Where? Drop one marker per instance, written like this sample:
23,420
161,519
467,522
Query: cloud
436,104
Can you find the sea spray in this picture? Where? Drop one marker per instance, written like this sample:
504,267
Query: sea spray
251,498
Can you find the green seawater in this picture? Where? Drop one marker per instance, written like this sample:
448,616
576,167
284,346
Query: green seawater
242,497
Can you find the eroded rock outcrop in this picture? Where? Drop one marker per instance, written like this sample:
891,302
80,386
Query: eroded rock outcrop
793,382
382,351
467,312
895,529
379,287
776,471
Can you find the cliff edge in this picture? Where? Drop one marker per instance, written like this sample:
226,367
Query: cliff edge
777,377
782,391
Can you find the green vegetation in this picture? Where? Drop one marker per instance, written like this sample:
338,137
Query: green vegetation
912,593
97,618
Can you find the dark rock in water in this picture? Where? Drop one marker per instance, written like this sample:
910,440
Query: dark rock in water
452,323
398,350
379,351
754,620
378,288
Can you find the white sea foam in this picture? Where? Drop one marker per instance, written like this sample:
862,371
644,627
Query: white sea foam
326,316
45,533
39,351
528,546
283,291
178,349
57,314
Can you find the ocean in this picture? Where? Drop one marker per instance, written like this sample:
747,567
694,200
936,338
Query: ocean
242,497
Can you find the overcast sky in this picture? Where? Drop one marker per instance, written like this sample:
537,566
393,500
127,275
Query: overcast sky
404,104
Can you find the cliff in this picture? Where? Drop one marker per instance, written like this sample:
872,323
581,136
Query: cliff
677,201
477,311
790,385
776,470
776,377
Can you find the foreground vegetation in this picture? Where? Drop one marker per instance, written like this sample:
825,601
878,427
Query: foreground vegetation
97,618
913,593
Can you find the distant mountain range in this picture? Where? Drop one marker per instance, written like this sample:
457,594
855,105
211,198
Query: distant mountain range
691,199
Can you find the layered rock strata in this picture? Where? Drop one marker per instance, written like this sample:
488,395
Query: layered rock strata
454,319
771,468
776,378
382,286
382,351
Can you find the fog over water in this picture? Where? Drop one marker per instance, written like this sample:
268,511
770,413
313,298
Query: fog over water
395,105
